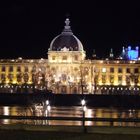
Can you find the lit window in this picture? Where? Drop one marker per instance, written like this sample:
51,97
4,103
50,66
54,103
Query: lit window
11,69
18,69
120,79
64,57
75,69
53,69
136,70
119,70
96,79
111,79
3,78
10,77
26,69
111,70
34,69
103,79
127,78
76,57
128,70
19,77
103,69
3,69
53,57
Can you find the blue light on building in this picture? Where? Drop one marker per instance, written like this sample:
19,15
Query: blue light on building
130,54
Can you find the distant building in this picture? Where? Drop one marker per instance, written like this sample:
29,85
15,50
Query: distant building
68,71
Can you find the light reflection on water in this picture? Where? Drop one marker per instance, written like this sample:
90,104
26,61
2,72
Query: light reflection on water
69,112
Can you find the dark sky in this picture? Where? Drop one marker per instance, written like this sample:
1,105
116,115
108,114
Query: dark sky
27,27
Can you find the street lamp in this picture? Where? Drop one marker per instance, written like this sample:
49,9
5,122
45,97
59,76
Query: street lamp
83,103
47,106
47,109
47,102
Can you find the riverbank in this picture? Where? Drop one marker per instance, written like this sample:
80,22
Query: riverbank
26,132
121,101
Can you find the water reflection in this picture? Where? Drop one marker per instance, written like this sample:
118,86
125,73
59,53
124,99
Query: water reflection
68,112
6,112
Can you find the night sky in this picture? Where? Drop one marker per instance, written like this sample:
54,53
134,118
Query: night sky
27,27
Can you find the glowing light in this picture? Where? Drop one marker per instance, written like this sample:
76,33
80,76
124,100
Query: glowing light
47,102
14,82
100,83
107,83
83,102
29,82
134,89
132,54
6,112
132,84
115,83
123,83
20,58
103,69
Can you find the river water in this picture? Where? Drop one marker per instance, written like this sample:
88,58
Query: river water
75,111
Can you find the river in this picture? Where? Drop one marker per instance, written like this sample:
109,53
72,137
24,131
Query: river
73,111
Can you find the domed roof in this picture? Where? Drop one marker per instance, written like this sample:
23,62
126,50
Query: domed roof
66,40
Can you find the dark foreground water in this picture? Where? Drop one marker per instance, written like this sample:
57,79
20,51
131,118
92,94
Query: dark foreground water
75,111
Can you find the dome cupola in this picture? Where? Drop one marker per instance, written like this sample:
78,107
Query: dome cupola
66,40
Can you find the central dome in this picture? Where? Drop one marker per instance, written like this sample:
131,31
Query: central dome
66,40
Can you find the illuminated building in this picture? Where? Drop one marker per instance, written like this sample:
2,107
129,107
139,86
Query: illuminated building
68,71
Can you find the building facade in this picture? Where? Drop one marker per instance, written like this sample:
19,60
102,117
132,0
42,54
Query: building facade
68,71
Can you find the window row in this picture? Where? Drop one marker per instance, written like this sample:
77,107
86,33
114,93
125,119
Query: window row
65,57
128,79
11,69
120,70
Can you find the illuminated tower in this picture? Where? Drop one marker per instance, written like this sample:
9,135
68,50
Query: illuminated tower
111,55
94,54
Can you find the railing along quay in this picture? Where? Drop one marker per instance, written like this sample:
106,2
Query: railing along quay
109,120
